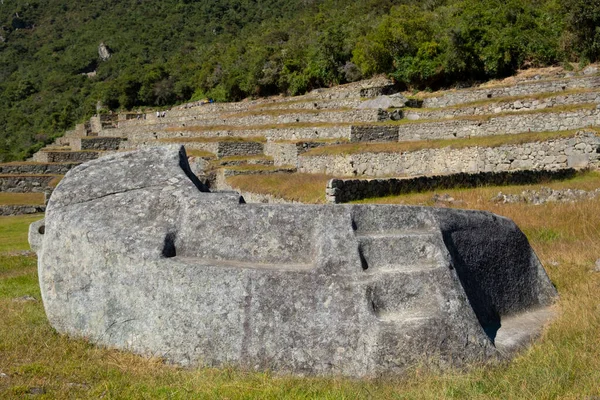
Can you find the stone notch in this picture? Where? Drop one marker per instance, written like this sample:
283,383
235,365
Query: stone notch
136,254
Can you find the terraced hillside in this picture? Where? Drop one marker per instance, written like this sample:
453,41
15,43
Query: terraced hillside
362,130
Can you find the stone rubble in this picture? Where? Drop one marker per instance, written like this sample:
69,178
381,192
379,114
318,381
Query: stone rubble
546,195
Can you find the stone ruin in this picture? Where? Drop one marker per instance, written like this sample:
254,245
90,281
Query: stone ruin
136,254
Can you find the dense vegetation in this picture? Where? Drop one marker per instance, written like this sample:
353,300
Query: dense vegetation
176,50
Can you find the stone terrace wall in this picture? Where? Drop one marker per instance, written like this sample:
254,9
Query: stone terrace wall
578,152
520,89
36,169
139,134
284,153
344,191
65,156
21,210
505,124
25,183
507,106
374,134
325,116
95,143
227,149
311,104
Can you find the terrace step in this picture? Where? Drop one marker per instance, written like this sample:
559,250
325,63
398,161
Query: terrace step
515,123
36,168
240,161
21,209
463,96
28,183
104,143
401,252
66,156
249,169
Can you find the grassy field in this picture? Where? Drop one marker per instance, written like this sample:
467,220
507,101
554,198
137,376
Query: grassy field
564,363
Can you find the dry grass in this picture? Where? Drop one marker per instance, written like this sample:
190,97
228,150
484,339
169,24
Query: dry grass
258,168
199,153
218,139
246,158
307,188
296,141
401,147
564,363
12,199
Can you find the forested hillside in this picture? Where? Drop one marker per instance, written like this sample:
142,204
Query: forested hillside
169,51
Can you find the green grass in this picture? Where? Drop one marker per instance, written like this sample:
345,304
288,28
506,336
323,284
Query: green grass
564,363
14,230
459,143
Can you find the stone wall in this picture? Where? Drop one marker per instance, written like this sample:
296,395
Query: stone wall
25,183
36,169
344,191
374,133
286,153
228,149
505,124
65,156
311,104
95,143
520,89
95,124
578,152
239,120
506,106
21,210
141,134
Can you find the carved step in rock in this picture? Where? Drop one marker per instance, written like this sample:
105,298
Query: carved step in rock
150,261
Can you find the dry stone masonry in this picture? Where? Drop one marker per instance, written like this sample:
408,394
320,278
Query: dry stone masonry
151,262
347,190
582,151
275,133
520,89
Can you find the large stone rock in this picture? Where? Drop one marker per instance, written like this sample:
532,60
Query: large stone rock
384,102
136,254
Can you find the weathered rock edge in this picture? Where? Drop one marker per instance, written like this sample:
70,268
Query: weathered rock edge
136,254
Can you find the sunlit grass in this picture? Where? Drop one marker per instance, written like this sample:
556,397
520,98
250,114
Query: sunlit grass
7,199
14,230
306,188
564,363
